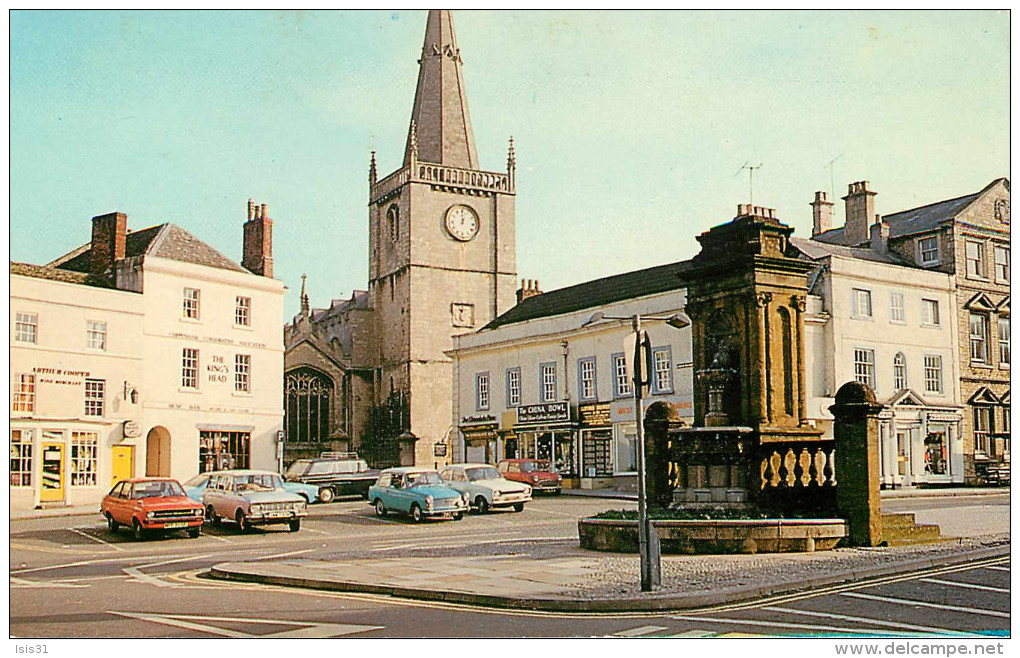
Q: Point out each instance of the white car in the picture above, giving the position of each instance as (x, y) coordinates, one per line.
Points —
(485, 487)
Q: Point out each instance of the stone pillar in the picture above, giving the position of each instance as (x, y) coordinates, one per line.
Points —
(857, 472)
(659, 420)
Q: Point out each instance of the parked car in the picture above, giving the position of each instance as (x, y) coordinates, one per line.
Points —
(252, 498)
(485, 487)
(196, 485)
(419, 492)
(536, 472)
(151, 505)
(335, 474)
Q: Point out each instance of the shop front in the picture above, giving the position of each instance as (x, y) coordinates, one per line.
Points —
(596, 435)
(480, 439)
(919, 444)
(546, 431)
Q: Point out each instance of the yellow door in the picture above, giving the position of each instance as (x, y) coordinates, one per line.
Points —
(122, 464)
(52, 473)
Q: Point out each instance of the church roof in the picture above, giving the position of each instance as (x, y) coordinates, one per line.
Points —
(440, 124)
(649, 281)
(163, 241)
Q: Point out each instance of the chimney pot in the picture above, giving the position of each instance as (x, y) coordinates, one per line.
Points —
(860, 208)
(257, 254)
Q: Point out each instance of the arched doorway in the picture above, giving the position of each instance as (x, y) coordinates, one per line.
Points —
(157, 452)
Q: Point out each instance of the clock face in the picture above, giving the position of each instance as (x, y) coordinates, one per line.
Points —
(461, 222)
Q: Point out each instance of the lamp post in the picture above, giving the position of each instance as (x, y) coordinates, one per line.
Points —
(648, 541)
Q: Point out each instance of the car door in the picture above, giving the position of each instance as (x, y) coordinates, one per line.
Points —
(400, 498)
(115, 505)
(214, 494)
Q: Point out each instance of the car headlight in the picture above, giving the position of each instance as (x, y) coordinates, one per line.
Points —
(428, 501)
(149, 515)
(255, 509)
(464, 496)
(301, 507)
(496, 493)
(527, 490)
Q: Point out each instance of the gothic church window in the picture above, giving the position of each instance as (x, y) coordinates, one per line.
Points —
(309, 394)
(393, 217)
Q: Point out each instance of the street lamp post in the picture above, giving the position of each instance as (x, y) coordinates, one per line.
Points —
(648, 540)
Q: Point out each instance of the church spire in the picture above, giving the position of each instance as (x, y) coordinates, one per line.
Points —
(440, 114)
(305, 309)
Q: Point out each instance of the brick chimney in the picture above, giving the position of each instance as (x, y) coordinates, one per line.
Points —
(258, 241)
(860, 208)
(821, 214)
(529, 288)
(109, 244)
(880, 236)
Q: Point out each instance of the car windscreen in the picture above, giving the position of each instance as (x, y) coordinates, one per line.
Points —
(423, 479)
(298, 467)
(487, 473)
(156, 489)
(197, 481)
(258, 482)
(528, 467)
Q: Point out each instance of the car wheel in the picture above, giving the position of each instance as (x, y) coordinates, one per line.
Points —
(458, 516)
(482, 504)
(137, 528)
(242, 521)
(380, 509)
(326, 495)
(294, 524)
(212, 516)
(110, 523)
(416, 514)
(518, 507)
(194, 532)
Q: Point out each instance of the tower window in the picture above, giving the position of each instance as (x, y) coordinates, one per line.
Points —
(393, 218)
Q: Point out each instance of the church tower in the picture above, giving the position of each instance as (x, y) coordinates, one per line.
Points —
(442, 254)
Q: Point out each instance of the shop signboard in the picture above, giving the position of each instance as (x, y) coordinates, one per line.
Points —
(543, 413)
(595, 414)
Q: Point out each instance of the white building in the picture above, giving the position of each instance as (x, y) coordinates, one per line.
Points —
(873, 319)
(145, 353)
(535, 383)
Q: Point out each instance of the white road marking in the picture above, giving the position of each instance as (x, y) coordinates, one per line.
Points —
(640, 630)
(21, 583)
(418, 543)
(79, 563)
(868, 620)
(270, 557)
(101, 541)
(755, 622)
(307, 630)
(1006, 569)
(925, 604)
(954, 583)
(140, 577)
(694, 633)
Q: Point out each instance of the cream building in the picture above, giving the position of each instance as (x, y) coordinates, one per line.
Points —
(535, 383)
(177, 367)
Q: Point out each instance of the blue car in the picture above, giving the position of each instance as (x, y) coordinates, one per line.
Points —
(418, 492)
(196, 485)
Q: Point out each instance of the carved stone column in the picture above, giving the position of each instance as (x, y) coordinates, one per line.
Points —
(799, 303)
(761, 302)
(858, 480)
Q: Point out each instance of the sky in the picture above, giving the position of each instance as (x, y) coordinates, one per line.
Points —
(630, 128)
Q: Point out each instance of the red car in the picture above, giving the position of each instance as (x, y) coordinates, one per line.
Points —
(536, 472)
(151, 504)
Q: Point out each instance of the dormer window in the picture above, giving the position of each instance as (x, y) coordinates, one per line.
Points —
(928, 250)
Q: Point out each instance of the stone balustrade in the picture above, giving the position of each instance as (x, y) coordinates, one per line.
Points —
(425, 172)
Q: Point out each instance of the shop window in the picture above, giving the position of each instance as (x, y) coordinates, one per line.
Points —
(928, 250)
(242, 373)
(564, 460)
(547, 383)
(513, 387)
(930, 312)
(21, 458)
(975, 254)
(190, 304)
(26, 327)
(95, 396)
(897, 312)
(597, 453)
(864, 366)
(218, 451)
(309, 394)
(482, 391)
(24, 393)
(933, 373)
(95, 335)
(899, 371)
(978, 338)
(189, 368)
(1002, 264)
(242, 311)
(586, 379)
(621, 382)
(626, 449)
(935, 453)
(1003, 340)
(662, 370)
(84, 459)
(861, 303)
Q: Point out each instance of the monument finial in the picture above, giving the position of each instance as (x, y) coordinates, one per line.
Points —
(305, 309)
(373, 173)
